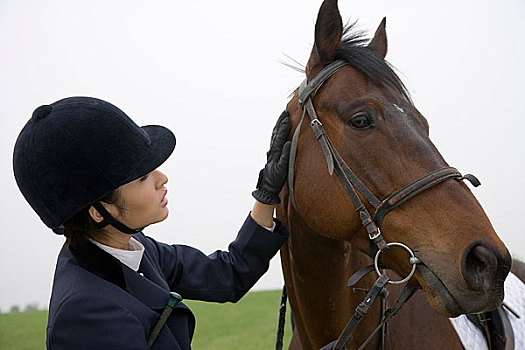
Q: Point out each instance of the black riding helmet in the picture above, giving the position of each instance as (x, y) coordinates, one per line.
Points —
(74, 152)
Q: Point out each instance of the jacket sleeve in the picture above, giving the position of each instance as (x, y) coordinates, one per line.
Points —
(224, 275)
(91, 322)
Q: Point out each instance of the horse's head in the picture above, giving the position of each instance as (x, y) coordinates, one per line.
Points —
(373, 124)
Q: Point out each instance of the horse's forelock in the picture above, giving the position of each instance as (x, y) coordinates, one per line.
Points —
(354, 50)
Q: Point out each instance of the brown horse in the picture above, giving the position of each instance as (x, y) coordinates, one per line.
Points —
(372, 122)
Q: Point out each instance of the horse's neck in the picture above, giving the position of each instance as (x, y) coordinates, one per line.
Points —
(316, 271)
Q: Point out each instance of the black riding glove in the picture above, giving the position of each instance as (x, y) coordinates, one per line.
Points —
(273, 176)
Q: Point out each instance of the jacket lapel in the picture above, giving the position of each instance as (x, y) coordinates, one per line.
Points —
(146, 291)
(152, 289)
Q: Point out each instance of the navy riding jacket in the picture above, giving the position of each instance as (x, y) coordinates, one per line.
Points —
(99, 303)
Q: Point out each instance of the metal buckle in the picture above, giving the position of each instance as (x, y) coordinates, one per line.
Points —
(316, 121)
(376, 235)
(414, 260)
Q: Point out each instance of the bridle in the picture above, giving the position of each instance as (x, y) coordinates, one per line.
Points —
(349, 180)
(371, 223)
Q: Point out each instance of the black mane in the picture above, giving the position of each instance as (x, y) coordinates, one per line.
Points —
(353, 49)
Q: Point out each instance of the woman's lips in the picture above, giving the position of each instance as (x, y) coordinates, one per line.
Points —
(164, 200)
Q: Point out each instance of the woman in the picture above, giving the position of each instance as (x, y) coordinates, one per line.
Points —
(90, 173)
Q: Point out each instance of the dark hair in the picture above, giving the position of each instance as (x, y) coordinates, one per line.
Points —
(81, 226)
(354, 50)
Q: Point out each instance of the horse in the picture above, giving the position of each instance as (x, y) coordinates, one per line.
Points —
(367, 114)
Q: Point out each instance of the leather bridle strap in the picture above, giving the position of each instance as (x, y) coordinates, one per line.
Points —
(417, 187)
(306, 91)
(352, 178)
(309, 88)
(345, 174)
(376, 291)
(407, 292)
(291, 163)
(360, 311)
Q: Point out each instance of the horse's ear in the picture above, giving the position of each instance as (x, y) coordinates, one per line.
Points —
(328, 32)
(378, 44)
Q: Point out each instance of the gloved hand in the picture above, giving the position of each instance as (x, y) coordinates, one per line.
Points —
(273, 176)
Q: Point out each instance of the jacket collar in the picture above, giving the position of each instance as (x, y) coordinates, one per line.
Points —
(100, 263)
(150, 289)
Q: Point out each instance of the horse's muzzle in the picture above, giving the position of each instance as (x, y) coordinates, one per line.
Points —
(482, 267)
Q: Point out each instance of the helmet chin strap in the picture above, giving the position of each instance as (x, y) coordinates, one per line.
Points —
(110, 220)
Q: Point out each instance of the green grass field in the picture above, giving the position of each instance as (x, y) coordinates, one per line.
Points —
(249, 324)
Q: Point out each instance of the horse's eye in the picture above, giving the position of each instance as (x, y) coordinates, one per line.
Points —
(361, 120)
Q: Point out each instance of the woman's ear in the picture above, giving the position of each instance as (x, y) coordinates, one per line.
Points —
(95, 215)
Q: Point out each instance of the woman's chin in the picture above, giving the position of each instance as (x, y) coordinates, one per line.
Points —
(165, 214)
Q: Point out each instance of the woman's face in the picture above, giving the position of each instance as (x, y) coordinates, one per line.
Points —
(143, 200)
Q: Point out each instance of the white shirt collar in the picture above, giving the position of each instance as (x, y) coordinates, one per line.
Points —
(131, 258)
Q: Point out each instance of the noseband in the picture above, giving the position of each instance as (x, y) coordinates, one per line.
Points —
(353, 186)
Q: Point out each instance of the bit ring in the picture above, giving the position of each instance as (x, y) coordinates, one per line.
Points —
(414, 260)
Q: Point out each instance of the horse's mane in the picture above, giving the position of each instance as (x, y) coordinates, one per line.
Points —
(354, 50)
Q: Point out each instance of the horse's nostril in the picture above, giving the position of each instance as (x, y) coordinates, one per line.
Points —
(479, 266)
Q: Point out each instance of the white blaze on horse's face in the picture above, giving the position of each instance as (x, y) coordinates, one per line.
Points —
(399, 108)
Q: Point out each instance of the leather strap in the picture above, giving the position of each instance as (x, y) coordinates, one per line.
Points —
(306, 89)
(280, 326)
(407, 293)
(320, 135)
(360, 311)
(345, 174)
(495, 327)
(414, 189)
(110, 220)
(291, 163)
(362, 272)
(507, 329)
(353, 179)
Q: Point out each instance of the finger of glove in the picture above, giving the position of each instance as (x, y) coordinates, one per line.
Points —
(280, 139)
(260, 179)
(284, 159)
(276, 172)
(283, 115)
(280, 168)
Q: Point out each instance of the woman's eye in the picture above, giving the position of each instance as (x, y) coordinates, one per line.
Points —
(144, 177)
(361, 121)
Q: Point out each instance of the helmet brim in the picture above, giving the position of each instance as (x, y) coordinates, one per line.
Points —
(162, 145)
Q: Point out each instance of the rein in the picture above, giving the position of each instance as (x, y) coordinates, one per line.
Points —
(353, 186)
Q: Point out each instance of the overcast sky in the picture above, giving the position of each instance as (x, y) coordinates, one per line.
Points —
(210, 71)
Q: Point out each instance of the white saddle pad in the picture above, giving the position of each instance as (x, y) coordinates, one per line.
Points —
(471, 337)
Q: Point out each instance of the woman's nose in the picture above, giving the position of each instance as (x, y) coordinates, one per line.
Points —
(162, 179)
